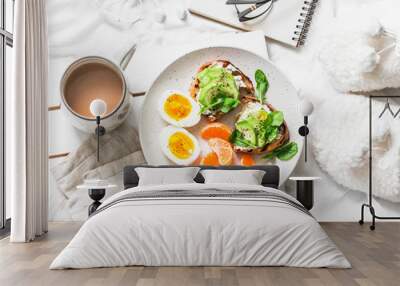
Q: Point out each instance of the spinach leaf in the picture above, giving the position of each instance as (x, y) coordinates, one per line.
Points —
(262, 85)
(269, 156)
(215, 103)
(277, 118)
(267, 122)
(287, 151)
(233, 136)
(221, 102)
(283, 153)
(228, 104)
(225, 109)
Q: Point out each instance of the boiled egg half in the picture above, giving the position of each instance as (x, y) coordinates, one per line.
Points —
(179, 145)
(179, 109)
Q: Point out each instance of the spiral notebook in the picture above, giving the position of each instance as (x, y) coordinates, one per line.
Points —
(287, 22)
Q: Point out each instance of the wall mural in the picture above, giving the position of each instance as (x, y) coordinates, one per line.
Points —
(214, 106)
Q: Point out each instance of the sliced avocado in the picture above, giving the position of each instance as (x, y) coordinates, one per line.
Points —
(207, 93)
(252, 121)
(272, 135)
(261, 138)
(216, 82)
(210, 74)
(247, 131)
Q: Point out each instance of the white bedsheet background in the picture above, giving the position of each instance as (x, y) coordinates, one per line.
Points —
(76, 29)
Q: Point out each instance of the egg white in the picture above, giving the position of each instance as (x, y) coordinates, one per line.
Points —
(166, 133)
(191, 120)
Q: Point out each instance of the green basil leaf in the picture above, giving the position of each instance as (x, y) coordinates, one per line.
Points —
(262, 85)
(228, 104)
(225, 109)
(231, 102)
(260, 76)
(228, 101)
(214, 105)
(261, 91)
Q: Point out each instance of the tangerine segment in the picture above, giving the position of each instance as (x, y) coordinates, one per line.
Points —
(223, 149)
(216, 130)
(247, 160)
(197, 162)
(211, 159)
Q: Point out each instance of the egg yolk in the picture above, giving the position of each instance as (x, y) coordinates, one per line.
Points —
(181, 145)
(177, 107)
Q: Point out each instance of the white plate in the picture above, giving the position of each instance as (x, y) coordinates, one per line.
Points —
(178, 76)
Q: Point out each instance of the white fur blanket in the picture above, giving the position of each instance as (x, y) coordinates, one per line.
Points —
(350, 55)
(361, 48)
(339, 124)
(341, 144)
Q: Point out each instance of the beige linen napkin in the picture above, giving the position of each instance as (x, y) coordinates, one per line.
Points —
(118, 148)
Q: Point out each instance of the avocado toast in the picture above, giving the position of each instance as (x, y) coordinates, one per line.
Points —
(219, 87)
(260, 128)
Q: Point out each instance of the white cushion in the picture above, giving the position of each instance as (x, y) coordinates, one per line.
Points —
(246, 177)
(166, 176)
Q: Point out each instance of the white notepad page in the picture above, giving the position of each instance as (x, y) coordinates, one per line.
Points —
(280, 24)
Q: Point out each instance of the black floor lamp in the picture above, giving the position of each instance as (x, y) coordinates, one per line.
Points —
(98, 108)
(370, 198)
(306, 108)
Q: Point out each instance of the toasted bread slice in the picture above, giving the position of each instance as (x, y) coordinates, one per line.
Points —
(282, 138)
(246, 89)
